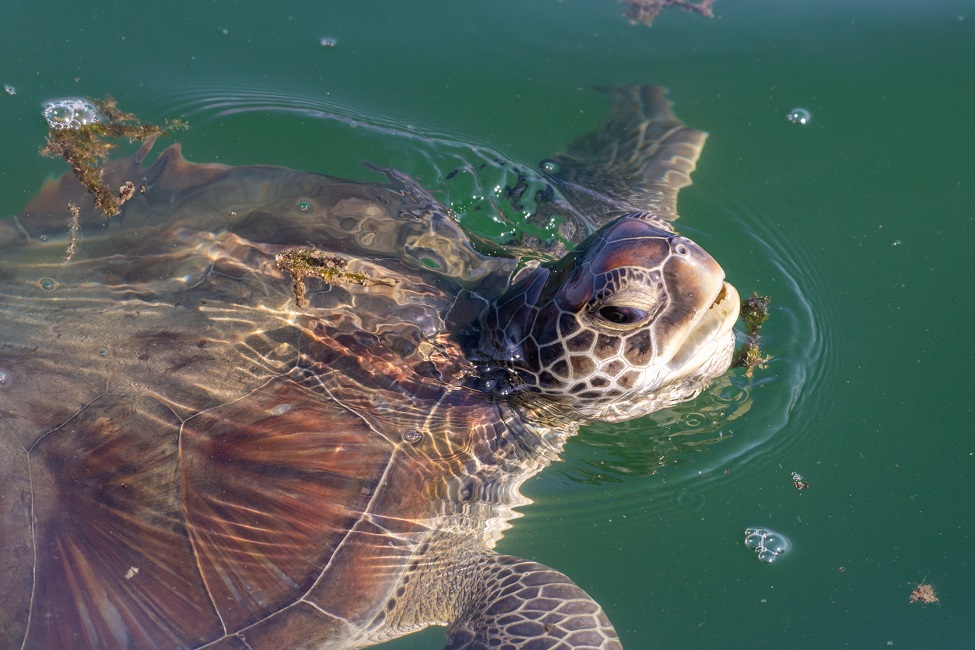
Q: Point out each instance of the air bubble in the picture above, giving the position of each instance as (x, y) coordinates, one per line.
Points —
(412, 436)
(47, 284)
(4, 377)
(304, 206)
(70, 113)
(767, 544)
(799, 116)
(10, 90)
(551, 167)
(103, 352)
(327, 41)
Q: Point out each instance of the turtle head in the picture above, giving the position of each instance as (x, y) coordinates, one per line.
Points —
(635, 319)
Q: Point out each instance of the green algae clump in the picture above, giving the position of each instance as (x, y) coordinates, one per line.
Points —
(86, 147)
(754, 313)
(301, 263)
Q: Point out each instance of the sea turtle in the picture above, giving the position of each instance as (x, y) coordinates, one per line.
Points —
(271, 409)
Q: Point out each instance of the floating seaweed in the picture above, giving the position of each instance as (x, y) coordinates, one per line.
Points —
(754, 313)
(79, 131)
(924, 593)
(645, 11)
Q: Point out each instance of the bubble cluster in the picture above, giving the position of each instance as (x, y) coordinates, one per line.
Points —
(767, 544)
(10, 90)
(70, 113)
(550, 167)
(327, 41)
(799, 116)
(799, 482)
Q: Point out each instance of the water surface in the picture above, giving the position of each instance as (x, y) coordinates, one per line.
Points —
(858, 224)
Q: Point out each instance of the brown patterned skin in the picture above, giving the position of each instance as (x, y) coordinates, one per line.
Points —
(188, 459)
(619, 327)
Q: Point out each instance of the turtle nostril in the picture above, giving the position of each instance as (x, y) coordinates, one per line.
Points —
(680, 249)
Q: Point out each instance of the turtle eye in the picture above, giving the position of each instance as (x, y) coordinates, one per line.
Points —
(621, 315)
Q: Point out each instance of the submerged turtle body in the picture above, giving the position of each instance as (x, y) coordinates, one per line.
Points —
(268, 409)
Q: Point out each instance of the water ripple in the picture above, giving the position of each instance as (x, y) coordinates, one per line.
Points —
(471, 179)
(679, 451)
(682, 452)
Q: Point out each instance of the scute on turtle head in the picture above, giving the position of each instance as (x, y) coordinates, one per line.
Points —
(636, 319)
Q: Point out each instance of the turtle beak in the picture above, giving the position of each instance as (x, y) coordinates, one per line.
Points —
(712, 331)
(704, 312)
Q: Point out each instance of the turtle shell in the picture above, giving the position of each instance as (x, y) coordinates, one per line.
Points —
(186, 454)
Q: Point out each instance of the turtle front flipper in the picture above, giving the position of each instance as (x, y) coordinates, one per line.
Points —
(637, 160)
(516, 603)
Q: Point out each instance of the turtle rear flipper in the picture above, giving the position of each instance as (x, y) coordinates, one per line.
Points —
(518, 603)
(637, 160)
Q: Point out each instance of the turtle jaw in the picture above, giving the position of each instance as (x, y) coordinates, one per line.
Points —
(710, 336)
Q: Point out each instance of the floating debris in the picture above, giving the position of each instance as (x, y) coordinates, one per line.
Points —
(799, 116)
(301, 263)
(767, 544)
(754, 312)
(924, 593)
(74, 224)
(798, 481)
(645, 11)
(78, 129)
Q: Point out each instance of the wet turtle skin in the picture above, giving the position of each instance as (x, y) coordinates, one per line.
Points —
(191, 458)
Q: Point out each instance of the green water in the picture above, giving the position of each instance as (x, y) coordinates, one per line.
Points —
(859, 225)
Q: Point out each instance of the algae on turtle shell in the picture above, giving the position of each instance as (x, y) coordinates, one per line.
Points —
(309, 262)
